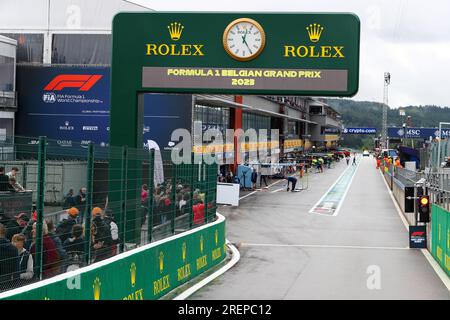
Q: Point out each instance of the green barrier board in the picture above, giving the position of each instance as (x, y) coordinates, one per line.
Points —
(441, 237)
(147, 274)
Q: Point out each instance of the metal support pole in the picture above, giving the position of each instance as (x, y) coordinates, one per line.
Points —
(191, 195)
(151, 188)
(40, 205)
(205, 185)
(174, 196)
(89, 197)
(123, 195)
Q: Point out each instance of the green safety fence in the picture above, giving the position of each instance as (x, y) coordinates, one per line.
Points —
(76, 203)
(440, 237)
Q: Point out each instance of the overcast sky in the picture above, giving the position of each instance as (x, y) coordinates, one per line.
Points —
(408, 38)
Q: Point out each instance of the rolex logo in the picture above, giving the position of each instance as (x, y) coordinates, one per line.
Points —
(133, 274)
(97, 284)
(201, 244)
(161, 262)
(314, 32)
(216, 236)
(183, 252)
(175, 30)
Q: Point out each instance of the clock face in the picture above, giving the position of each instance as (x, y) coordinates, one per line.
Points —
(244, 39)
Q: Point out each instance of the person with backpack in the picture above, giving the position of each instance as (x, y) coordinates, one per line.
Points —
(101, 236)
(74, 247)
(64, 229)
(108, 218)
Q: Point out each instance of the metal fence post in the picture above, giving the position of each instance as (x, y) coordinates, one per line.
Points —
(191, 196)
(205, 182)
(42, 154)
(123, 195)
(88, 209)
(174, 196)
(151, 188)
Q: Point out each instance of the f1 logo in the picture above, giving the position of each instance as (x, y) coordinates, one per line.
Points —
(82, 81)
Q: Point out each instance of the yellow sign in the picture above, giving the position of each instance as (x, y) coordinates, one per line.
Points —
(161, 262)
(164, 49)
(315, 31)
(133, 274)
(201, 244)
(183, 252)
(96, 286)
(175, 30)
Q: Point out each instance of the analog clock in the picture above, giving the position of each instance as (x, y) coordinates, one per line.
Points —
(244, 39)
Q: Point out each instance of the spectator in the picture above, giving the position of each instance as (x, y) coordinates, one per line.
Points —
(292, 180)
(74, 247)
(144, 203)
(80, 201)
(58, 243)
(17, 187)
(16, 226)
(108, 218)
(26, 265)
(69, 200)
(144, 194)
(76, 242)
(254, 178)
(4, 180)
(13, 174)
(64, 229)
(8, 261)
(50, 258)
(101, 236)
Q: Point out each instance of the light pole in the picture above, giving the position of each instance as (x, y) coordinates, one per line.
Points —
(387, 81)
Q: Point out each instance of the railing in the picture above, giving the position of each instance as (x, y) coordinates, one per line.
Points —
(115, 199)
(8, 100)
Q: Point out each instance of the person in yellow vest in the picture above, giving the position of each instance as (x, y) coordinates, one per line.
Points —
(397, 163)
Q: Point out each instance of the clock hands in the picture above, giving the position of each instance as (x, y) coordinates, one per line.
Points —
(245, 42)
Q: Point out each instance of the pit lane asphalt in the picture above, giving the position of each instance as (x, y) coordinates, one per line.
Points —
(289, 253)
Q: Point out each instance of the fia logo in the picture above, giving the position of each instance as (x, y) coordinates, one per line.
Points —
(49, 97)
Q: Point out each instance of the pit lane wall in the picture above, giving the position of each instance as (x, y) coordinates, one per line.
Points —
(440, 237)
(145, 273)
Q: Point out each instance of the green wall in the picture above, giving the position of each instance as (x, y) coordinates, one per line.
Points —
(144, 273)
(440, 231)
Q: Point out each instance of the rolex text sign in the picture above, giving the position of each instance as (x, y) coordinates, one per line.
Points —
(236, 53)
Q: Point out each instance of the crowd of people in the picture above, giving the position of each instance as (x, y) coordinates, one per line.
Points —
(162, 202)
(64, 246)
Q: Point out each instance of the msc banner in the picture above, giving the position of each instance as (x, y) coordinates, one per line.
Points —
(418, 133)
(359, 131)
(71, 105)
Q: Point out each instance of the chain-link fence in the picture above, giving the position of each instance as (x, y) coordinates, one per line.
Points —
(64, 205)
